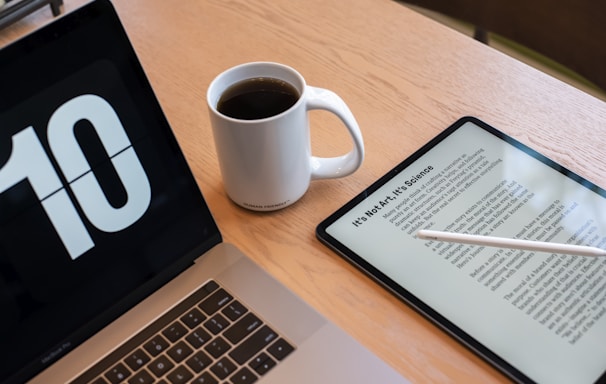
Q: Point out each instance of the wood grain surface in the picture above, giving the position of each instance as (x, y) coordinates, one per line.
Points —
(405, 78)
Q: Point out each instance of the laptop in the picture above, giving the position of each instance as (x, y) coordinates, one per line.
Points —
(112, 268)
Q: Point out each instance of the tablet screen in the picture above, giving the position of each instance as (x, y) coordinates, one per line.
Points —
(534, 315)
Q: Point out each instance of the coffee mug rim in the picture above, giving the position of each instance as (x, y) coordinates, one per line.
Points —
(212, 96)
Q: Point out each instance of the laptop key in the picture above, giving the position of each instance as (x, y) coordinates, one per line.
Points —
(160, 366)
(242, 328)
(117, 374)
(211, 286)
(180, 375)
(215, 301)
(174, 332)
(142, 377)
(243, 376)
(193, 318)
(253, 344)
(216, 324)
(280, 349)
(198, 338)
(156, 345)
(205, 378)
(223, 368)
(234, 310)
(217, 347)
(179, 351)
(137, 359)
(262, 363)
(199, 361)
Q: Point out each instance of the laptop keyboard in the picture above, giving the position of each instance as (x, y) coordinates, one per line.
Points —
(210, 337)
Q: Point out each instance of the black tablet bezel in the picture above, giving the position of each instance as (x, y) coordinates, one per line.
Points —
(401, 292)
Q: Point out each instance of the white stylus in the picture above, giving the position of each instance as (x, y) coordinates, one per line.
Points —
(501, 242)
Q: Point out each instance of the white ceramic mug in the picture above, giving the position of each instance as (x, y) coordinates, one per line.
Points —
(266, 164)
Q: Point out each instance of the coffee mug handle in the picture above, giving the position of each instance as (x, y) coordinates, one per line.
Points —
(340, 166)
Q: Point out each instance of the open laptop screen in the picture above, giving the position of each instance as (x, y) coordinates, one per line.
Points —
(97, 204)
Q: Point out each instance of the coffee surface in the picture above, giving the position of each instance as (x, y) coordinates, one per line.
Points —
(257, 98)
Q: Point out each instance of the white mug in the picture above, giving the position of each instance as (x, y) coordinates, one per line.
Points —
(266, 163)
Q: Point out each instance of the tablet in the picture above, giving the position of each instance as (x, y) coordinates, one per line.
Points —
(538, 317)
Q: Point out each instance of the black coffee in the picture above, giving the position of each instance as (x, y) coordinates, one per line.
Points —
(257, 98)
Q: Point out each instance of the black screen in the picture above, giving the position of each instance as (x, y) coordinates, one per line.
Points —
(97, 204)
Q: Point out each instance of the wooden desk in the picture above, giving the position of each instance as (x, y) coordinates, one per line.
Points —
(405, 78)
